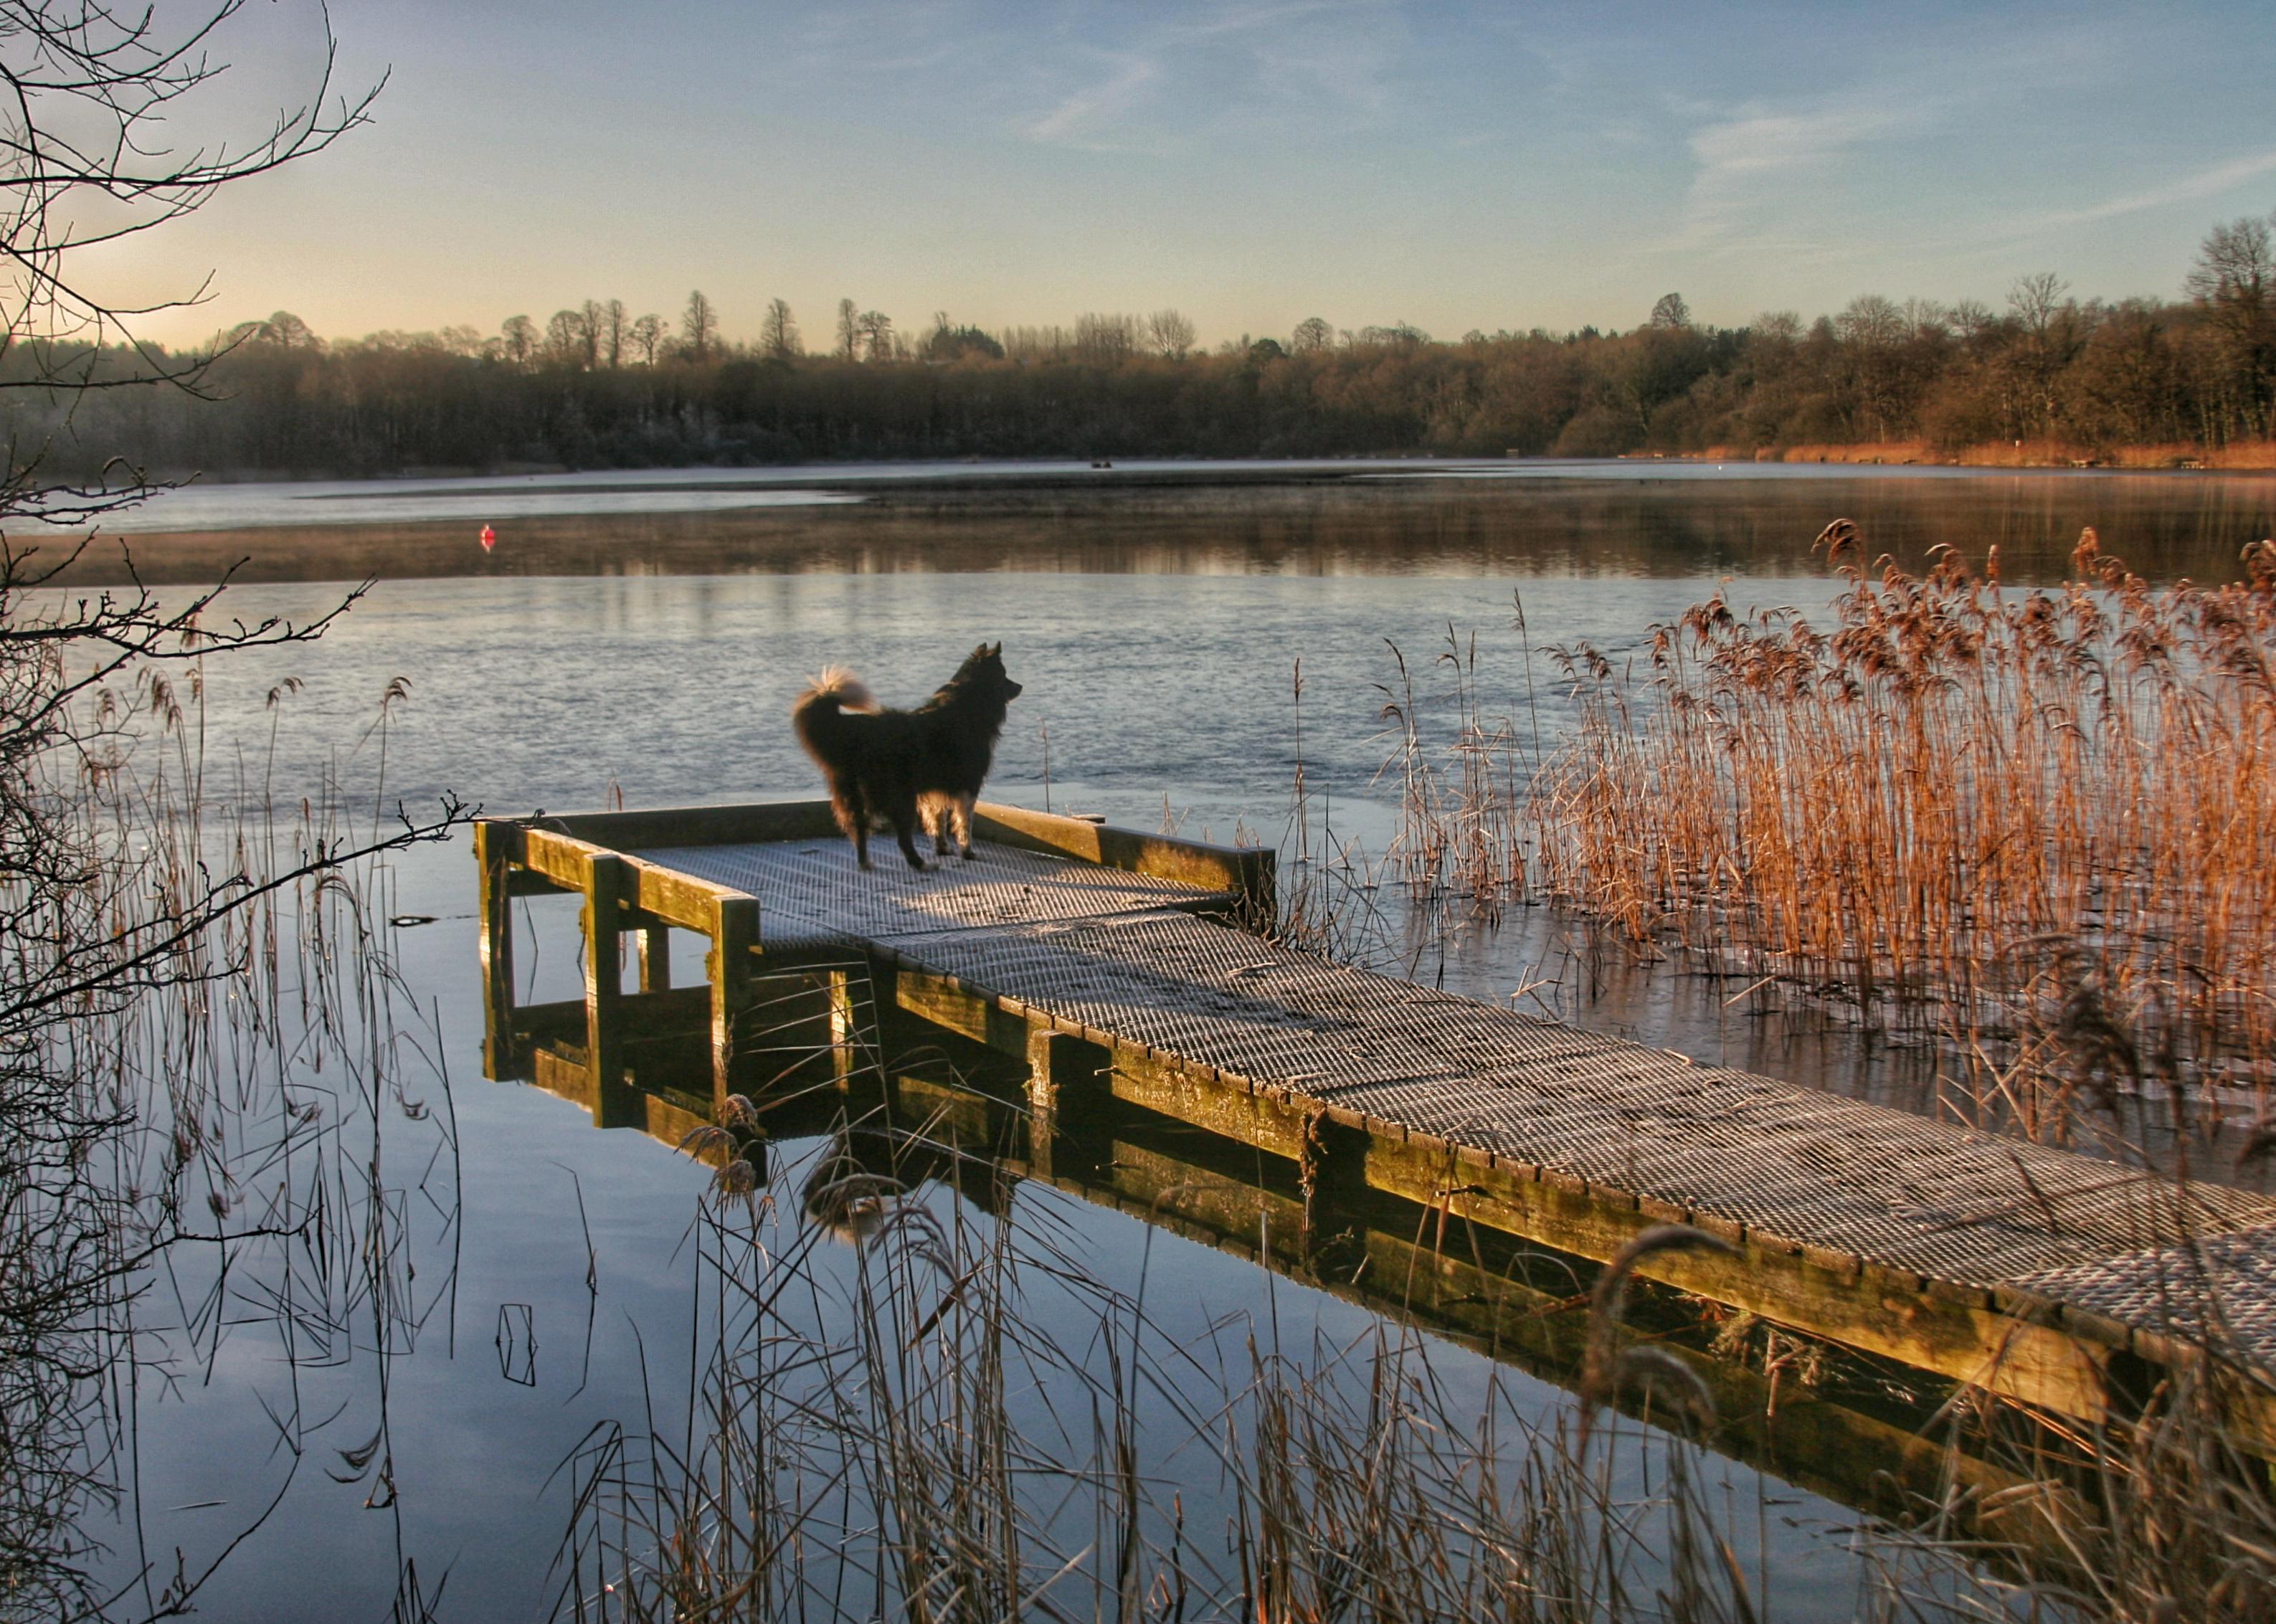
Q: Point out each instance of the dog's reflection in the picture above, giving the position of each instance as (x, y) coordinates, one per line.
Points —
(845, 1197)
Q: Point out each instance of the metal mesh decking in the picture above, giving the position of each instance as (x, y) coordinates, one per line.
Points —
(1791, 1163)
(811, 891)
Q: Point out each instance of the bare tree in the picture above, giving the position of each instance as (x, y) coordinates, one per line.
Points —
(849, 331)
(567, 340)
(594, 322)
(1312, 334)
(2232, 280)
(2035, 301)
(875, 331)
(699, 328)
(519, 340)
(613, 329)
(1035, 343)
(94, 151)
(1872, 320)
(2235, 266)
(647, 336)
(286, 331)
(1671, 311)
(1105, 340)
(778, 331)
(1171, 332)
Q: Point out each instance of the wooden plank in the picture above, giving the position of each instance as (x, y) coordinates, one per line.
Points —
(1247, 871)
(1856, 1458)
(1070, 1103)
(678, 898)
(947, 1003)
(666, 826)
(563, 859)
(1261, 1119)
(1967, 1342)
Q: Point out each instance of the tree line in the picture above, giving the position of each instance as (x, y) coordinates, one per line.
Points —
(597, 387)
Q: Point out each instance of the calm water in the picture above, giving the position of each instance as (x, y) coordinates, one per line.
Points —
(1159, 632)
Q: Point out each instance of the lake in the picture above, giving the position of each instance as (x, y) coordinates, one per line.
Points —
(1186, 634)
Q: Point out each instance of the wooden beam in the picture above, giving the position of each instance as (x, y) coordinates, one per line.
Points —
(677, 899)
(605, 883)
(494, 849)
(655, 958)
(1245, 872)
(734, 932)
(669, 826)
(1070, 1103)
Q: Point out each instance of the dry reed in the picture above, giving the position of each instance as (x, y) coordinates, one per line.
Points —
(1963, 807)
(207, 1073)
(971, 1426)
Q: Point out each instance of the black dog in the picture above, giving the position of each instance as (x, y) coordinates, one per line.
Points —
(901, 764)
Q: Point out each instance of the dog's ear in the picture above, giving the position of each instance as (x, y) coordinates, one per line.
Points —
(980, 652)
(999, 649)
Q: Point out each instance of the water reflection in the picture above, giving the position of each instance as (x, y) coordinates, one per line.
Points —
(1606, 520)
(849, 1141)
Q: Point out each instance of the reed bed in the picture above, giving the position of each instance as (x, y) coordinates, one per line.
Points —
(2004, 815)
(1461, 799)
(962, 1423)
(219, 1119)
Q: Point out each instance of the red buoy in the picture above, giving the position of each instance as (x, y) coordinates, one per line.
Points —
(489, 538)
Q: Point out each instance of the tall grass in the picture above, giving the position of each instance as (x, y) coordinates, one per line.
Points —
(2005, 816)
(963, 1422)
(1461, 803)
(219, 1120)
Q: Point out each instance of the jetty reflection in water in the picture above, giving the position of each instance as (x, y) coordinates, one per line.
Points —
(839, 1131)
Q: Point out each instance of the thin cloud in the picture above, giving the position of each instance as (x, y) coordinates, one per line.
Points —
(1269, 43)
(1752, 160)
(1085, 110)
(2204, 183)
(2004, 236)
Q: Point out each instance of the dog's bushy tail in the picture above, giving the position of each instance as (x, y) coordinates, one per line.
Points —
(829, 696)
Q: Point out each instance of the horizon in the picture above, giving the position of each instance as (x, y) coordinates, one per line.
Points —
(1250, 165)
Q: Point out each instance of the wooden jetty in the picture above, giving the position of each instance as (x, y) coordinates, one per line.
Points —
(1128, 970)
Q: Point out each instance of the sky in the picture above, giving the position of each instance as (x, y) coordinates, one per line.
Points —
(1251, 163)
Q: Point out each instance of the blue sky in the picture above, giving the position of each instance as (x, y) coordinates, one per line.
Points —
(1251, 163)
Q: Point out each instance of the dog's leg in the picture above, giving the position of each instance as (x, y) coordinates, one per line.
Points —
(934, 814)
(904, 828)
(852, 809)
(903, 814)
(964, 823)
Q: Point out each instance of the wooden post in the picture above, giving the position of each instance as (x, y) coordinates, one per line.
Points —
(606, 877)
(734, 932)
(655, 956)
(1070, 1104)
(1333, 1173)
(1258, 907)
(848, 991)
(496, 908)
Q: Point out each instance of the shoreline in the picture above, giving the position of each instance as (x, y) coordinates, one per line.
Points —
(2241, 457)
(856, 478)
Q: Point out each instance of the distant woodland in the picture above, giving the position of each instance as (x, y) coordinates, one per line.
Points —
(2046, 377)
